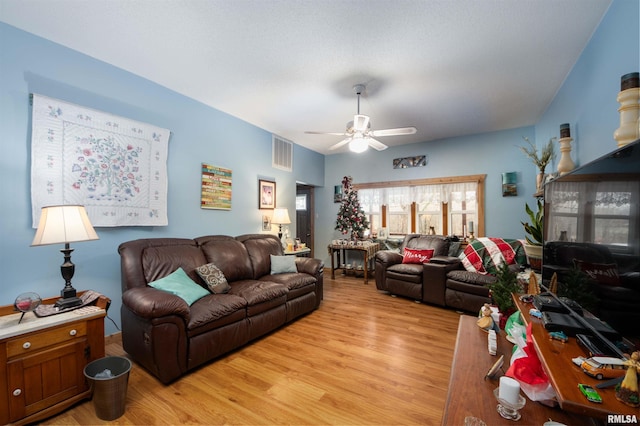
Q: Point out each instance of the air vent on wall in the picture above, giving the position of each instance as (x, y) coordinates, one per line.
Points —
(282, 156)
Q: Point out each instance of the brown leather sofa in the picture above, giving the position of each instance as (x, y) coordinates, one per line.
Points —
(420, 282)
(165, 335)
(443, 281)
(618, 303)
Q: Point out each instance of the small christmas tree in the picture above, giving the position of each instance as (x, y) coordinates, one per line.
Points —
(351, 217)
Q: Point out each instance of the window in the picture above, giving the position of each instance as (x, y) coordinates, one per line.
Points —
(301, 202)
(371, 204)
(398, 207)
(445, 204)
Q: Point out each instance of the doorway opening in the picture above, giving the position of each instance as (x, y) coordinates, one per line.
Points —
(304, 215)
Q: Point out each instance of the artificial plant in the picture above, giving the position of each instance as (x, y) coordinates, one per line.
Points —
(506, 284)
(535, 226)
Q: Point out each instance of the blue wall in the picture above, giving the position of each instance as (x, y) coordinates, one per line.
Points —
(586, 100)
(31, 64)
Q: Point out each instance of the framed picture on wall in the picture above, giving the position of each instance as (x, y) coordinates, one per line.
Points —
(266, 194)
(266, 222)
(337, 194)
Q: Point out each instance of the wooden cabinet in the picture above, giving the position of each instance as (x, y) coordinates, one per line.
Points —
(43, 359)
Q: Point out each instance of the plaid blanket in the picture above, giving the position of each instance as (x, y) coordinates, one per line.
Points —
(485, 255)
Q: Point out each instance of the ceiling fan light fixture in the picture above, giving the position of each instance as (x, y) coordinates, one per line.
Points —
(358, 144)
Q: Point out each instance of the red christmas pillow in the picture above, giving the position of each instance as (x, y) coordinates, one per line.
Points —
(416, 256)
(604, 273)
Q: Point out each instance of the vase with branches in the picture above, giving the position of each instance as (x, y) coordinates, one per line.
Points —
(540, 160)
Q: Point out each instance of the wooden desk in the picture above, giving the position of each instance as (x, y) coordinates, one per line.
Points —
(470, 395)
(368, 250)
(564, 375)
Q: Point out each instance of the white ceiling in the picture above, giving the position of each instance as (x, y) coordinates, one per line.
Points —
(449, 68)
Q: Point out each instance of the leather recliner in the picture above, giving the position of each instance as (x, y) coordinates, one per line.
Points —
(417, 281)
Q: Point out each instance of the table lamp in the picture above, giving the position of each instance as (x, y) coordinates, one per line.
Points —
(280, 217)
(64, 224)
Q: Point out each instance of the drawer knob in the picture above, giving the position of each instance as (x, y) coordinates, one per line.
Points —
(17, 392)
(26, 345)
(73, 333)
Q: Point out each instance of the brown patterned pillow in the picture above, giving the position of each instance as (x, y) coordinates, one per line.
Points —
(214, 278)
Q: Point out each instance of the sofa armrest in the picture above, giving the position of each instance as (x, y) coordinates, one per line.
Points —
(149, 303)
(309, 265)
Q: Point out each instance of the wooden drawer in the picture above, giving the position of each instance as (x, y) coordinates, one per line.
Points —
(25, 344)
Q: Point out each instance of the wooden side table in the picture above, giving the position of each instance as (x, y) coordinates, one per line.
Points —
(368, 250)
(42, 361)
(303, 252)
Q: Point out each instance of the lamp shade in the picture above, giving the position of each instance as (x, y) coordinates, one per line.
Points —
(63, 224)
(280, 216)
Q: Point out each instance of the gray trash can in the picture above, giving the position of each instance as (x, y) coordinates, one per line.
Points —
(108, 378)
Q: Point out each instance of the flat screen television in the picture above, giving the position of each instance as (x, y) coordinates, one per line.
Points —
(592, 223)
(598, 202)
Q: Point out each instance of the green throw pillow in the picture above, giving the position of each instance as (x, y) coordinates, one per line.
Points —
(283, 264)
(181, 285)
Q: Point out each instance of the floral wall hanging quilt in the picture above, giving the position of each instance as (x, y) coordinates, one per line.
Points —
(115, 167)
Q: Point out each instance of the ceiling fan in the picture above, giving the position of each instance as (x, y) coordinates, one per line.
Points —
(359, 135)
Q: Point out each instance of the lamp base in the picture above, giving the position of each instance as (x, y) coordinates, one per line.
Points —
(68, 302)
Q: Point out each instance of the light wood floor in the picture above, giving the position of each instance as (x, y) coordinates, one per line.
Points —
(363, 357)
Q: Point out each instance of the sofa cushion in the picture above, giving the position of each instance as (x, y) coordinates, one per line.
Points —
(438, 243)
(181, 285)
(260, 247)
(283, 264)
(162, 260)
(260, 295)
(216, 310)
(228, 254)
(603, 273)
(416, 255)
(297, 284)
(470, 277)
(411, 272)
(464, 287)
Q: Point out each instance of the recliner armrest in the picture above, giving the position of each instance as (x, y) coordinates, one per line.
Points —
(388, 257)
(148, 302)
(434, 278)
(445, 260)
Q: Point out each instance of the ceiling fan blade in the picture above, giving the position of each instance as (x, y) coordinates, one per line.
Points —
(360, 122)
(376, 144)
(327, 133)
(339, 144)
(394, 132)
